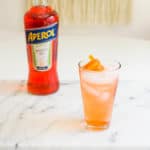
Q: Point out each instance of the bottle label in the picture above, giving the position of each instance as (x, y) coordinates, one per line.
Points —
(41, 43)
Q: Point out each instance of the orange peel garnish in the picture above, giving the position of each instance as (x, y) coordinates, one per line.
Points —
(94, 64)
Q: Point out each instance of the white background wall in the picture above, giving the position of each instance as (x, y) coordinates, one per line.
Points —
(11, 18)
(140, 25)
(11, 14)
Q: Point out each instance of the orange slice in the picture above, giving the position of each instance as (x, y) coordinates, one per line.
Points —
(94, 64)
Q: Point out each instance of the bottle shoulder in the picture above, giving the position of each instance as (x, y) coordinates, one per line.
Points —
(40, 16)
(40, 12)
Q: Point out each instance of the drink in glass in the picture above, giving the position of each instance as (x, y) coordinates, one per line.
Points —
(98, 90)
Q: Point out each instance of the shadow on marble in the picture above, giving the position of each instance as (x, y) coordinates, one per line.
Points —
(33, 127)
(68, 125)
(51, 124)
(12, 86)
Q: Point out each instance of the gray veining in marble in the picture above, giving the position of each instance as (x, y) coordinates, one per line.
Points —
(56, 121)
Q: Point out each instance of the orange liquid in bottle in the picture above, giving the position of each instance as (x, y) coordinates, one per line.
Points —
(42, 21)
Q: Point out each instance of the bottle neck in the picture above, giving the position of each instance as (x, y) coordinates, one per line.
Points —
(39, 2)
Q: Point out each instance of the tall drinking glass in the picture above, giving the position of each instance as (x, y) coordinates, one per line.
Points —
(98, 90)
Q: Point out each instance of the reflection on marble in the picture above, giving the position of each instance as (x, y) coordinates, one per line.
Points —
(56, 121)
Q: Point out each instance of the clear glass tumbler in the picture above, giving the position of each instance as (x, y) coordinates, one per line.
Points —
(98, 93)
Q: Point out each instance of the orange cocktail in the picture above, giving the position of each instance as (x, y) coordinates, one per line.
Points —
(98, 87)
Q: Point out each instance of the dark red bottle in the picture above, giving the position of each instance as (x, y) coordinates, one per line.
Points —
(41, 28)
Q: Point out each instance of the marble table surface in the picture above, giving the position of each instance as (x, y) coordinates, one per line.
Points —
(56, 121)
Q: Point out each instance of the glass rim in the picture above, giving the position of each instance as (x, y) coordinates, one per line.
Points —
(117, 66)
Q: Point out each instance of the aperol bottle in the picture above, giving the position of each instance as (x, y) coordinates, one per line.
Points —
(41, 28)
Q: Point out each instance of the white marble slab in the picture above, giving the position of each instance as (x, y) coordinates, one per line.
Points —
(56, 121)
